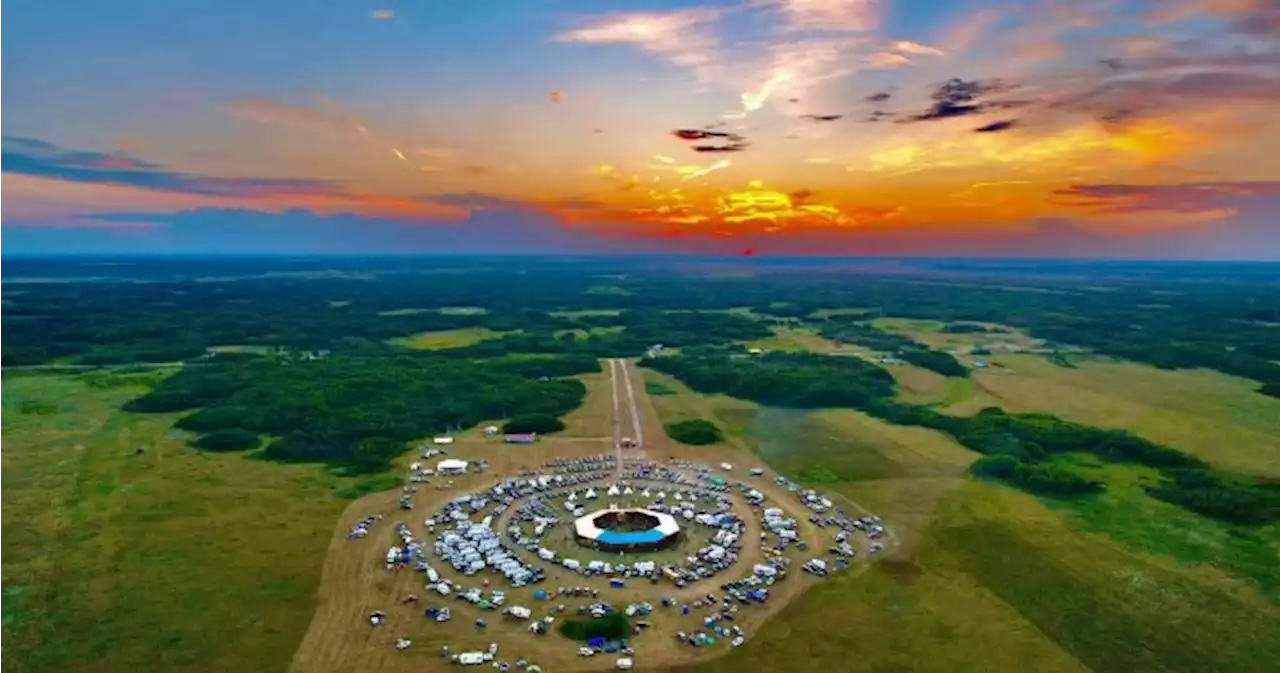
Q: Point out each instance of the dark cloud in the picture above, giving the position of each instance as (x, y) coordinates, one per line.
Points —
(37, 158)
(960, 98)
(878, 97)
(878, 115)
(823, 118)
(1187, 197)
(1157, 88)
(1263, 21)
(996, 127)
(1112, 63)
(731, 147)
(724, 141)
(703, 134)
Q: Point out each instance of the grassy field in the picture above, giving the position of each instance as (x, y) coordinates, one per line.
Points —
(987, 578)
(584, 333)
(241, 349)
(990, 579)
(795, 339)
(445, 310)
(1215, 416)
(127, 550)
(450, 338)
(586, 312)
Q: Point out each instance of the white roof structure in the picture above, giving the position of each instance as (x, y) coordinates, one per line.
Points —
(442, 440)
(451, 465)
(666, 526)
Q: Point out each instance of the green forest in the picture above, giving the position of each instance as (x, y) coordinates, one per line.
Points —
(356, 413)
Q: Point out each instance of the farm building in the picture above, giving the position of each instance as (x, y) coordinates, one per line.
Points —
(451, 466)
(442, 440)
(521, 438)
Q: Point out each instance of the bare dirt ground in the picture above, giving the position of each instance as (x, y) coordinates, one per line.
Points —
(355, 581)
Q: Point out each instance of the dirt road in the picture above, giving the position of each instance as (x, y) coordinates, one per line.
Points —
(626, 413)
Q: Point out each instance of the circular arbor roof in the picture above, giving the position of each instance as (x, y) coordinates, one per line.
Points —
(597, 526)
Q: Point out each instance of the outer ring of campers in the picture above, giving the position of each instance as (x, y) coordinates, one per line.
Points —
(664, 533)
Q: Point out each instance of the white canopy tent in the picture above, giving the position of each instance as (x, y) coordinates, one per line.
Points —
(451, 466)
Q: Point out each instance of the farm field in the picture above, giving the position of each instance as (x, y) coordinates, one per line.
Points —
(451, 338)
(150, 553)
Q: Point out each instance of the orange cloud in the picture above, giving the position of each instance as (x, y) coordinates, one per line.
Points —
(730, 212)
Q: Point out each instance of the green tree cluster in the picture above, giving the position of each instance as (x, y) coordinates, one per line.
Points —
(696, 431)
(542, 424)
(611, 626)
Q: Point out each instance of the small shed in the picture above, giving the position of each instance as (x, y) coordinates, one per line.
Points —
(521, 438)
(442, 440)
(451, 466)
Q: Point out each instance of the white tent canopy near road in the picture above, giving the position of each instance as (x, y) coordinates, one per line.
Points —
(451, 466)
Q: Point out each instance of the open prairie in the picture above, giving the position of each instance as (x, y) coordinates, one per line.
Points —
(127, 550)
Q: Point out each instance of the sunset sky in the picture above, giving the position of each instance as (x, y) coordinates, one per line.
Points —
(1146, 128)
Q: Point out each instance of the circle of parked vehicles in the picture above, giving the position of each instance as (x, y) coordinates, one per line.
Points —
(499, 531)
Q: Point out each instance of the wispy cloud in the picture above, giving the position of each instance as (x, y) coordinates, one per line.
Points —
(270, 111)
(40, 159)
(37, 158)
(680, 36)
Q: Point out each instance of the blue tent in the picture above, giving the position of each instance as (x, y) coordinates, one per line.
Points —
(616, 583)
(540, 594)
(596, 642)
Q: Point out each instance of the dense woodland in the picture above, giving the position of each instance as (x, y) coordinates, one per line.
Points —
(331, 384)
(356, 413)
